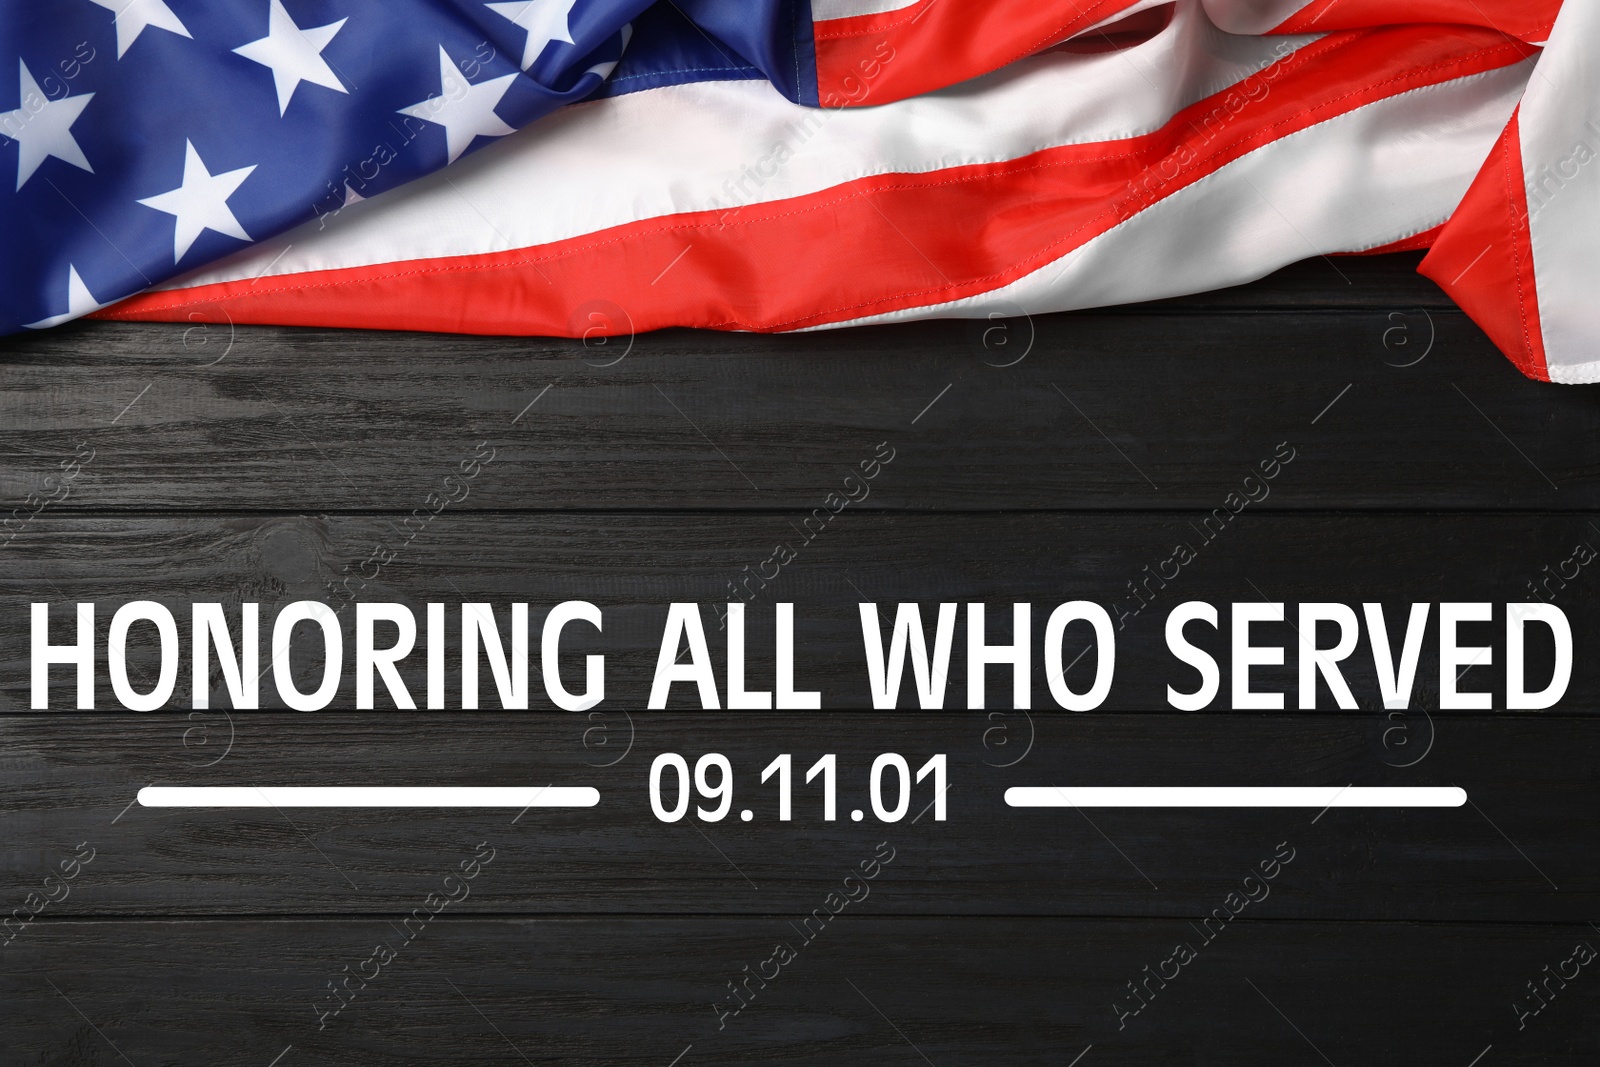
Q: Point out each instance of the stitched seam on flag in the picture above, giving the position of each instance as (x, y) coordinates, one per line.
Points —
(1575, 373)
(1412, 235)
(1527, 361)
(686, 70)
(794, 46)
(1043, 255)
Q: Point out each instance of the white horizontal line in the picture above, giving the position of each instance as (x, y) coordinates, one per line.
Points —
(356, 796)
(1235, 796)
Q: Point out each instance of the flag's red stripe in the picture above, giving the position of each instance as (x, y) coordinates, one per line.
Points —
(1484, 257)
(873, 59)
(866, 247)
(1529, 20)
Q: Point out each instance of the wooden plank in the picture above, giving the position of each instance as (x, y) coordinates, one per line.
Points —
(865, 989)
(997, 936)
(1385, 281)
(1141, 408)
(1528, 778)
(632, 566)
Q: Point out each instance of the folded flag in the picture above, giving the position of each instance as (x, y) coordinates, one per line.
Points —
(571, 167)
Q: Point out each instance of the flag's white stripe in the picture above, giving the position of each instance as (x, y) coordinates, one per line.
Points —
(298, 796)
(822, 10)
(1360, 180)
(686, 148)
(1189, 796)
(1560, 127)
(1235, 16)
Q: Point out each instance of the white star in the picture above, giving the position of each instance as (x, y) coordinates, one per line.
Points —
(466, 111)
(544, 20)
(43, 128)
(200, 203)
(294, 55)
(351, 196)
(133, 16)
(79, 302)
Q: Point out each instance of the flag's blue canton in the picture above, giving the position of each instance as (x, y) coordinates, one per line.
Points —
(142, 138)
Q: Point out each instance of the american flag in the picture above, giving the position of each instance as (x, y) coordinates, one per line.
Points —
(567, 167)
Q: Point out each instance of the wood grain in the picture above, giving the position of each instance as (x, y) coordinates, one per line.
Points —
(866, 989)
(1154, 406)
(185, 463)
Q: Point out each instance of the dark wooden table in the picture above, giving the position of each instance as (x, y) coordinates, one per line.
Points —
(1036, 461)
